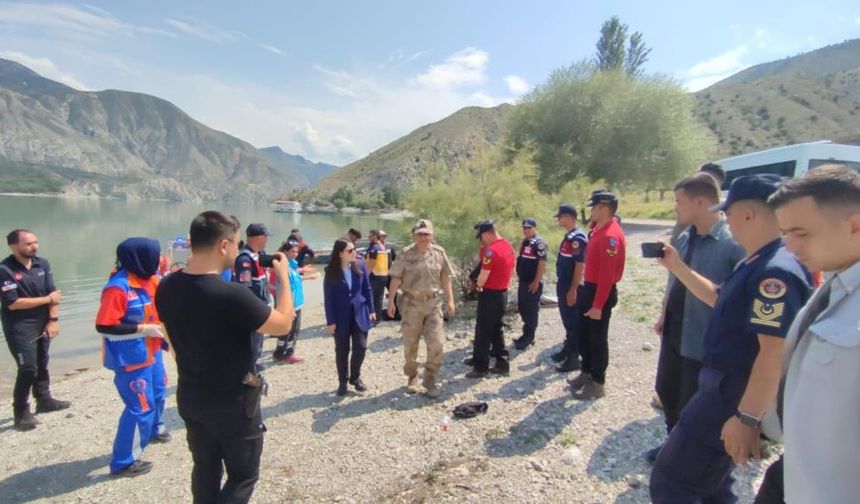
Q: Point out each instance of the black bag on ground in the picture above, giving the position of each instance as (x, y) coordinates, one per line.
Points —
(470, 409)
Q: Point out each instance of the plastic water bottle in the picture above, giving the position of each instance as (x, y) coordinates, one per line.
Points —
(445, 422)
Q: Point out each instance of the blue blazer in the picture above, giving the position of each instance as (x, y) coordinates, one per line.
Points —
(344, 305)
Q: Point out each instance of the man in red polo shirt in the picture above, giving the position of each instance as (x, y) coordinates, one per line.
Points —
(604, 266)
(497, 266)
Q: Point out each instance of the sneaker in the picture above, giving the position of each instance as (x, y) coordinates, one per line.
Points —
(412, 386)
(50, 404)
(137, 468)
(571, 364)
(24, 420)
(477, 374)
(559, 356)
(162, 437)
(651, 455)
(580, 381)
(592, 390)
(341, 389)
(358, 384)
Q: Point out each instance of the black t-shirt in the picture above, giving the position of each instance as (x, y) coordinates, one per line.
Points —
(16, 281)
(209, 322)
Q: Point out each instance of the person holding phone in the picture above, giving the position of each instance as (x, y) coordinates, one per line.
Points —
(249, 271)
(349, 312)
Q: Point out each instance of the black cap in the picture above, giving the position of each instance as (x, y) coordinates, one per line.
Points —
(601, 196)
(257, 229)
(483, 227)
(750, 187)
(529, 223)
(566, 210)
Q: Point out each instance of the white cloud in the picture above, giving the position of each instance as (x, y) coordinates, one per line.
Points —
(45, 68)
(517, 85)
(203, 30)
(467, 67)
(713, 70)
(91, 21)
(272, 49)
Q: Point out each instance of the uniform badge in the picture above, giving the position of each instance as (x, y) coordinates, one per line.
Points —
(541, 246)
(488, 253)
(575, 244)
(487, 261)
(8, 285)
(611, 252)
(527, 250)
(18, 277)
(245, 276)
(246, 264)
(767, 314)
(612, 242)
(132, 295)
(772, 288)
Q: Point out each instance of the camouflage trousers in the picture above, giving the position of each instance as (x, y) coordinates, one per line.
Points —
(422, 317)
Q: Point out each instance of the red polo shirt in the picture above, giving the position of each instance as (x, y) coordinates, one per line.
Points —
(604, 260)
(498, 259)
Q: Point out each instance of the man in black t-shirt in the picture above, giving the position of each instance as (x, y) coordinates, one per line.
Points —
(209, 323)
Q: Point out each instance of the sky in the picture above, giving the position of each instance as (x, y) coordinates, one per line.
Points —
(336, 80)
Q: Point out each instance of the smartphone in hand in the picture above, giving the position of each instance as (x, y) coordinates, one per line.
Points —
(652, 249)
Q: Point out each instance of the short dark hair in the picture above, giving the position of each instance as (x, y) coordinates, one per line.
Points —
(832, 185)
(700, 185)
(210, 227)
(14, 236)
(354, 232)
(714, 170)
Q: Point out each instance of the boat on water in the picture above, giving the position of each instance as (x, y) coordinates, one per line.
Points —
(287, 206)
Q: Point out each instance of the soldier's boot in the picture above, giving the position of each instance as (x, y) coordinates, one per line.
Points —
(579, 382)
(412, 386)
(431, 388)
(592, 390)
(24, 420)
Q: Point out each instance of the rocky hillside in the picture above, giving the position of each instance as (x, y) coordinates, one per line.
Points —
(313, 171)
(812, 96)
(447, 142)
(123, 144)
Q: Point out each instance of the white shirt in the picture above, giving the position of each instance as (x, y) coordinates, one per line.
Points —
(822, 401)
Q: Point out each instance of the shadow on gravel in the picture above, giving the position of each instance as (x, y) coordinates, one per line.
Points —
(53, 480)
(622, 453)
(385, 344)
(538, 428)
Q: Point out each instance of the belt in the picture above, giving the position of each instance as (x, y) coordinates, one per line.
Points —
(421, 296)
(490, 291)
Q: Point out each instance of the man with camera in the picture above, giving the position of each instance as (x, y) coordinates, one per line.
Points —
(250, 271)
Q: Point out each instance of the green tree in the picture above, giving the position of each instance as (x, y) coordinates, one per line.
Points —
(611, 54)
(391, 196)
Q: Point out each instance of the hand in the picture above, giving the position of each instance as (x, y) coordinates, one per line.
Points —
(533, 287)
(594, 314)
(570, 297)
(452, 308)
(391, 308)
(151, 330)
(373, 317)
(52, 329)
(279, 264)
(330, 328)
(740, 441)
(473, 287)
(670, 259)
(658, 326)
(54, 297)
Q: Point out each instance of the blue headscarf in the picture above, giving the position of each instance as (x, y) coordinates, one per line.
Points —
(139, 256)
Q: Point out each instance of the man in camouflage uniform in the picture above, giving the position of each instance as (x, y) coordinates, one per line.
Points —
(423, 272)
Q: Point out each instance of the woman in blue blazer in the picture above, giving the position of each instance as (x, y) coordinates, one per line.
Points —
(349, 312)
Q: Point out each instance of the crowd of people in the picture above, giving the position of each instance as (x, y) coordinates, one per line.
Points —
(749, 349)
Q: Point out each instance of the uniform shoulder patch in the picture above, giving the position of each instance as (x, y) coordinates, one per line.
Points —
(541, 245)
(612, 241)
(575, 244)
(488, 253)
(772, 288)
(767, 314)
(8, 285)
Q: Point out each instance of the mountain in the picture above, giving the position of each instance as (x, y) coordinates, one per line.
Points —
(313, 171)
(117, 143)
(402, 162)
(812, 96)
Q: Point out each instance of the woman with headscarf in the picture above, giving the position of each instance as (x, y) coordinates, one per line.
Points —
(132, 343)
(349, 312)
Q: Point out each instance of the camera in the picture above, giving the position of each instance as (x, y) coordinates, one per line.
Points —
(652, 249)
(265, 260)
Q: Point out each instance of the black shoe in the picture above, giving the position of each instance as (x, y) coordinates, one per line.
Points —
(469, 361)
(50, 404)
(24, 420)
(651, 455)
(559, 356)
(162, 437)
(502, 367)
(341, 389)
(569, 365)
(358, 384)
(477, 374)
(522, 343)
(137, 468)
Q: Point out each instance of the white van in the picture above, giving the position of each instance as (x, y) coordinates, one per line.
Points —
(791, 160)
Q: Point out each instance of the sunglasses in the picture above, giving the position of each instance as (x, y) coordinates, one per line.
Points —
(350, 251)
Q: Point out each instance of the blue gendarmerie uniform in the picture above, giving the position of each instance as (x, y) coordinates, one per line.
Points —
(571, 251)
(532, 251)
(248, 272)
(761, 296)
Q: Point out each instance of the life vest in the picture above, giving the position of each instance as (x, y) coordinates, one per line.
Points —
(377, 259)
(129, 352)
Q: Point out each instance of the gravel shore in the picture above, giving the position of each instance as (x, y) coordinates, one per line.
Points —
(535, 443)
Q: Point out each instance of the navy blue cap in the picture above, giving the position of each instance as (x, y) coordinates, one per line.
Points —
(601, 196)
(566, 210)
(483, 227)
(750, 187)
(257, 229)
(529, 223)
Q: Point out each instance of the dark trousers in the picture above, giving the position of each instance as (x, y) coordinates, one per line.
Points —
(772, 489)
(30, 352)
(489, 338)
(528, 305)
(349, 367)
(378, 285)
(677, 376)
(571, 319)
(221, 434)
(287, 344)
(594, 345)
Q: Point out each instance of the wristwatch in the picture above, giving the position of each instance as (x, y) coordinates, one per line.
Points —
(748, 420)
(53, 319)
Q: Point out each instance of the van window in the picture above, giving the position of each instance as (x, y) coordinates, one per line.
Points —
(814, 163)
(783, 169)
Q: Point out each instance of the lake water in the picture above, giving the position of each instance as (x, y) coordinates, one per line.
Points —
(79, 238)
